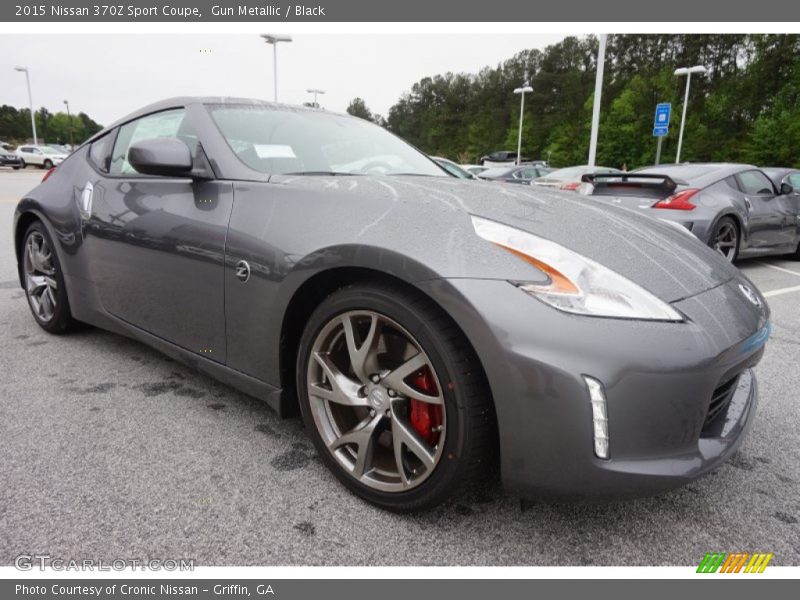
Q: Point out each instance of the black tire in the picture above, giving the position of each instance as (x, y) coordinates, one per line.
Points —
(17, 167)
(726, 224)
(796, 255)
(22, 164)
(470, 446)
(47, 164)
(61, 320)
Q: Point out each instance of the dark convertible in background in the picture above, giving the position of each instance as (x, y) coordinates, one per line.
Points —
(428, 328)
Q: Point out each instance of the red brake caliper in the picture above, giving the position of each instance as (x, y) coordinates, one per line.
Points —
(426, 418)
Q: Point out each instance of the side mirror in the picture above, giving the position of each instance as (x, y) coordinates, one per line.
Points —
(786, 189)
(168, 157)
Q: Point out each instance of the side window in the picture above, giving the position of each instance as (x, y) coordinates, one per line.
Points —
(100, 152)
(794, 181)
(731, 181)
(25, 149)
(755, 182)
(170, 123)
(529, 173)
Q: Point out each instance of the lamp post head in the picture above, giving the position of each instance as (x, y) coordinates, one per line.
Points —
(274, 38)
(21, 69)
(523, 90)
(692, 70)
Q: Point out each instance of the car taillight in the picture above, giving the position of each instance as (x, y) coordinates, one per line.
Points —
(47, 175)
(679, 201)
(570, 187)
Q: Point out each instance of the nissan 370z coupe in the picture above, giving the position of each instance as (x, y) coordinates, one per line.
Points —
(428, 329)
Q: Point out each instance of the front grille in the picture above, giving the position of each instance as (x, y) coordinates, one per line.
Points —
(720, 399)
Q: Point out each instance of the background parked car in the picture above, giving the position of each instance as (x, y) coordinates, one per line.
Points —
(736, 209)
(452, 168)
(522, 174)
(500, 158)
(42, 156)
(474, 169)
(569, 178)
(8, 159)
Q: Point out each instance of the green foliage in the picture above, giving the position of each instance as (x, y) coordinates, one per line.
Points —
(58, 128)
(358, 108)
(746, 109)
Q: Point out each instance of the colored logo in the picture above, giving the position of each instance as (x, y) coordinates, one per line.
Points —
(736, 562)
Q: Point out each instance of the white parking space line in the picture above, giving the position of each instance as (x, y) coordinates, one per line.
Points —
(781, 291)
(777, 268)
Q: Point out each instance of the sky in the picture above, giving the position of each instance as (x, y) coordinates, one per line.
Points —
(108, 76)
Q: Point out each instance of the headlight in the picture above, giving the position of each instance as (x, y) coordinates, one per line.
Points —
(576, 284)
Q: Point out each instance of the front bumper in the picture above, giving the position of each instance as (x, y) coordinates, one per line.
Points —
(659, 380)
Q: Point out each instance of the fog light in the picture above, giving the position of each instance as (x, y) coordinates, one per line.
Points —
(599, 416)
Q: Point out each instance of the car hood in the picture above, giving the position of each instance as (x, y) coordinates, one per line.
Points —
(670, 263)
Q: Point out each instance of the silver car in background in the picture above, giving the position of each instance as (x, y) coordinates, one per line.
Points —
(734, 208)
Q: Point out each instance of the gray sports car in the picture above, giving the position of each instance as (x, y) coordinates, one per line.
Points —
(735, 209)
(428, 329)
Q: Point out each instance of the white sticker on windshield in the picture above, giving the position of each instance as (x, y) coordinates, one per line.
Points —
(274, 151)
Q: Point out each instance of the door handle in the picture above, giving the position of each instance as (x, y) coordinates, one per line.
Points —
(85, 201)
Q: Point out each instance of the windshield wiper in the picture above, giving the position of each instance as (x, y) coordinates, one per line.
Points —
(322, 173)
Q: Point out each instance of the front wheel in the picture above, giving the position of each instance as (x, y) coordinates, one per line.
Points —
(47, 164)
(393, 397)
(725, 238)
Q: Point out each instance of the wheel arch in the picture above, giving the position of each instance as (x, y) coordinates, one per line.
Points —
(308, 296)
(738, 221)
(23, 221)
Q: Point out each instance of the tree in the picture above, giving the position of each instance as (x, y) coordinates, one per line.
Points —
(746, 109)
(358, 108)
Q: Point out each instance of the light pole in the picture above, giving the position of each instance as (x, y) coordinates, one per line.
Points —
(688, 72)
(598, 91)
(69, 117)
(275, 39)
(30, 102)
(315, 91)
(525, 89)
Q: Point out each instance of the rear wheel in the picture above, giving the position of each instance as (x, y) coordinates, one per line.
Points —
(725, 238)
(393, 397)
(44, 282)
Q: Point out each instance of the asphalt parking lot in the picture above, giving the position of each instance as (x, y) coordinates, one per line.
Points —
(109, 450)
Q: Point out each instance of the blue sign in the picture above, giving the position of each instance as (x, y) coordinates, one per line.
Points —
(661, 122)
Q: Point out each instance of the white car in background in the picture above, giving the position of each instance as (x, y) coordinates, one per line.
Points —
(474, 169)
(41, 156)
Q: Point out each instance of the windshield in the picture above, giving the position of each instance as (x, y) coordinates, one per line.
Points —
(281, 140)
(453, 168)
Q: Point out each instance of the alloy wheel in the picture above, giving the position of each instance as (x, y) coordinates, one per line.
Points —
(726, 240)
(376, 401)
(40, 277)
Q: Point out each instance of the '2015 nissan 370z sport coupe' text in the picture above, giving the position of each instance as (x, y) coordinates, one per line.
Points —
(428, 328)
